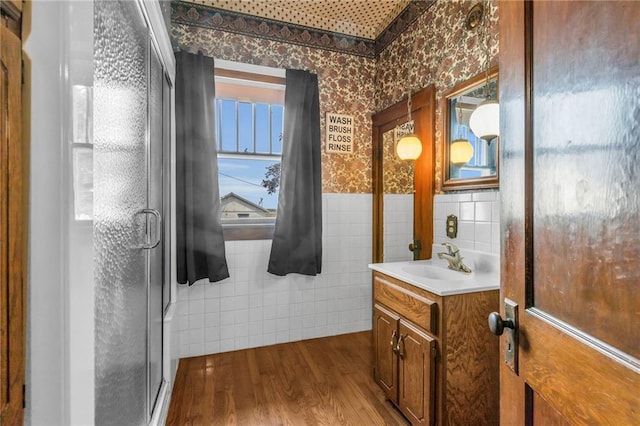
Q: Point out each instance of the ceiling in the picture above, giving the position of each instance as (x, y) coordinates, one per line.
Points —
(359, 18)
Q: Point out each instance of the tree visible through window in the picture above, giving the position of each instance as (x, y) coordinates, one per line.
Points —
(249, 143)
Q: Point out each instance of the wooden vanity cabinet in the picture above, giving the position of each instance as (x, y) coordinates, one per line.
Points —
(433, 355)
(385, 334)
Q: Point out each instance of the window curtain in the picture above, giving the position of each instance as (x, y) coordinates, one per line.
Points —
(297, 238)
(199, 239)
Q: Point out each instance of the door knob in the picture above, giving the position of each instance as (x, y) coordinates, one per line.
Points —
(497, 324)
(415, 247)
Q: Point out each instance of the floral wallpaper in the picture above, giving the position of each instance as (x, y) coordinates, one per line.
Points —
(397, 174)
(444, 53)
(345, 84)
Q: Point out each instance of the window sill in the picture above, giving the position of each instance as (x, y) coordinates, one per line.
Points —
(236, 230)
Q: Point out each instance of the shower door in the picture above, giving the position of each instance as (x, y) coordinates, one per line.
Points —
(128, 206)
(157, 140)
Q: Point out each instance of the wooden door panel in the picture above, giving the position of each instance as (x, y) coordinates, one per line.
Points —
(585, 133)
(12, 237)
(385, 359)
(584, 383)
(416, 374)
(569, 89)
(512, 171)
(545, 414)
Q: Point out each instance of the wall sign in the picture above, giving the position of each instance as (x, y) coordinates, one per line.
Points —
(402, 130)
(339, 133)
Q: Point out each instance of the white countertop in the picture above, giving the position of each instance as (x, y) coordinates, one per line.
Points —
(434, 276)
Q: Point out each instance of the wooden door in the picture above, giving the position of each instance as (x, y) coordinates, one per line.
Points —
(423, 114)
(570, 180)
(12, 229)
(416, 374)
(385, 335)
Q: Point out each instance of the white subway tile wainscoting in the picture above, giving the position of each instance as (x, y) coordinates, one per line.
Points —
(478, 220)
(253, 308)
(398, 227)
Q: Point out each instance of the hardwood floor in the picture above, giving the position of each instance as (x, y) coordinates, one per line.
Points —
(325, 381)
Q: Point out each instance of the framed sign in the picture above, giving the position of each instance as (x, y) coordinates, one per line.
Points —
(339, 133)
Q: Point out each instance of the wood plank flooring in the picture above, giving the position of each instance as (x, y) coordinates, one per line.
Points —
(325, 381)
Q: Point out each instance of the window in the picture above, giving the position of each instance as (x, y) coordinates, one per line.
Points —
(249, 119)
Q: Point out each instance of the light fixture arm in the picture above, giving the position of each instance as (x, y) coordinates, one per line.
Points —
(409, 147)
(486, 33)
(459, 117)
(410, 65)
(485, 119)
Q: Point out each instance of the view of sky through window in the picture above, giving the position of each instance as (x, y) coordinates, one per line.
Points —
(249, 141)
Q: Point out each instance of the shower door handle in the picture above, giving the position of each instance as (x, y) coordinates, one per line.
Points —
(156, 214)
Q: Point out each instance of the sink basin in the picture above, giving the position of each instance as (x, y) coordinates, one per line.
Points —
(435, 273)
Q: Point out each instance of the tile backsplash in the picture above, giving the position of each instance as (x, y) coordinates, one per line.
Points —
(254, 308)
(478, 220)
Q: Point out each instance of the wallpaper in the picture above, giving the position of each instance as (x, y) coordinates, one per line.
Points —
(296, 27)
(364, 19)
(444, 53)
(397, 174)
(345, 85)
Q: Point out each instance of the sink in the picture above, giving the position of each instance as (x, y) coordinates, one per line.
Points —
(436, 273)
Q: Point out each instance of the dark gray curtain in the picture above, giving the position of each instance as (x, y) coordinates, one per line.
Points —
(199, 240)
(297, 239)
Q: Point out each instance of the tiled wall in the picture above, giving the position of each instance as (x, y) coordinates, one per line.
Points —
(253, 308)
(478, 220)
(398, 227)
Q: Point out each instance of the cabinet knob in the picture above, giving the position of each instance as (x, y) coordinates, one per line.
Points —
(497, 324)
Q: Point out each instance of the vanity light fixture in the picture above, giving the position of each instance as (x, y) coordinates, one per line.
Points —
(460, 150)
(485, 119)
(409, 147)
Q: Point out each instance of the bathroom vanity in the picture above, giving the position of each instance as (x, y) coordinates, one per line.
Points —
(433, 353)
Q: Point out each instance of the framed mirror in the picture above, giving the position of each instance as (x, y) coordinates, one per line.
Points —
(469, 162)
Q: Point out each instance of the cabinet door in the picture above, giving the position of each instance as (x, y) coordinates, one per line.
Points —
(416, 371)
(385, 334)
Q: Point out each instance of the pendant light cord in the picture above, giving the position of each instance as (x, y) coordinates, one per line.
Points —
(486, 35)
(409, 66)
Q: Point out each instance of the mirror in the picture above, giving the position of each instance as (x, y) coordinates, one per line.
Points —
(403, 190)
(397, 189)
(468, 161)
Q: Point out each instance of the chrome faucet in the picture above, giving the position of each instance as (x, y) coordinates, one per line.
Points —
(453, 257)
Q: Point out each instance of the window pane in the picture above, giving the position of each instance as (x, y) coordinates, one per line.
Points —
(228, 125)
(276, 128)
(245, 127)
(242, 192)
(218, 106)
(262, 129)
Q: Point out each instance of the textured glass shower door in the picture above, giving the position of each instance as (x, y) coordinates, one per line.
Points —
(123, 224)
(155, 229)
